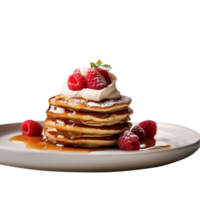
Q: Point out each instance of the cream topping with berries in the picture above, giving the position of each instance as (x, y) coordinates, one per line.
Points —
(110, 92)
(84, 69)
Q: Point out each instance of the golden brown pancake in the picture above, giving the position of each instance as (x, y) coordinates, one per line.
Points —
(62, 125)
(104, 106)
(83, 123)
(89, 118)
(81, 142)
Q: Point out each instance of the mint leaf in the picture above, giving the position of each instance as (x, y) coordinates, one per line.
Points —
(98, 63)
(107, 66)
(92, 64)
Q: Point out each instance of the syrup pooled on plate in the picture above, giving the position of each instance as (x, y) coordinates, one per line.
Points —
(40, 143)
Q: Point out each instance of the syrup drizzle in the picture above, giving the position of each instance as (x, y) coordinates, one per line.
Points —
(41, 143)
(152, 144)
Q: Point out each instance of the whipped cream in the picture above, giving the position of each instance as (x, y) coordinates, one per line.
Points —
(110, 92)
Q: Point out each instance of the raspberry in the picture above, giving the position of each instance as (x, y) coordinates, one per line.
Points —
(76, 81)
(31, 128)
(137, 130)
(128, 141)
(105, 74)
(95, 80)
(149, 127)
(75, 70)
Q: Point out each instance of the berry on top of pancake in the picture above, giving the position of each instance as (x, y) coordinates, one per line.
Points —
(97, 77)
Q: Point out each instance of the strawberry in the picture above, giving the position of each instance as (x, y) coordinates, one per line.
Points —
(95, 80)
(76, 81)
(105, 74)
(31, 128)
(149, 127)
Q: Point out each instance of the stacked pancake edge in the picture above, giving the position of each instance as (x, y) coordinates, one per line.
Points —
(77, 122)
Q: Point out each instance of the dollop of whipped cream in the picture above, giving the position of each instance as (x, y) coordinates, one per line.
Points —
(110, 92)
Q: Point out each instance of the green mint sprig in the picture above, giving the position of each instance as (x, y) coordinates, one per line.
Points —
(106, 67)
(93, 65)
(99, 63)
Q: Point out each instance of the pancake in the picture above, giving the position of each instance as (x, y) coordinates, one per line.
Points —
(62, 125)
(81, 142)
(89, 118)
(79, 122)
(104, 106)
(75, 135)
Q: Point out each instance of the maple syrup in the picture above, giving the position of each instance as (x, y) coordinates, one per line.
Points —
(41, 143)
(152, 144)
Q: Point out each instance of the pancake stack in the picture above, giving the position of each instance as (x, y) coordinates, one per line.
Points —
(79, 122)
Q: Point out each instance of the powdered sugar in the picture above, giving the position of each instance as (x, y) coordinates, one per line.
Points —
(76, 101)
(110, 102)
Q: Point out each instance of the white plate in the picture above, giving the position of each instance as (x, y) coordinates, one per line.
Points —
(183, 141)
